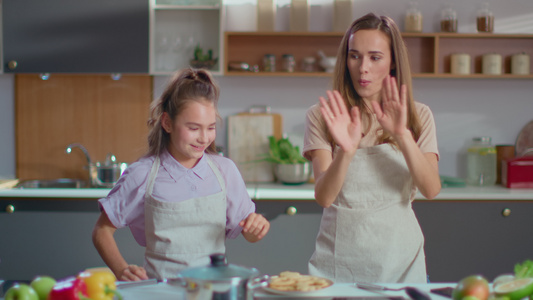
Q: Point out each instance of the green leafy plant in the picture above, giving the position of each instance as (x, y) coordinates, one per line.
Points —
(283, 152)
(524, 269)
(199, 54)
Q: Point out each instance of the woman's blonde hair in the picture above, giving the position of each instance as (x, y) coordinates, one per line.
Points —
(342, 80)
(185, 86)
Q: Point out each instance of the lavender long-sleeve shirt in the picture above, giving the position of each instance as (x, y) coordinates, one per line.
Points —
(124, 205)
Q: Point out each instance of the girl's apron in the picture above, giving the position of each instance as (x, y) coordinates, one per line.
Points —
(370, 233)
(183, 234)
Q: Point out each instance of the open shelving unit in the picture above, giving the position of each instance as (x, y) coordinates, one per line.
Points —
(429, 53)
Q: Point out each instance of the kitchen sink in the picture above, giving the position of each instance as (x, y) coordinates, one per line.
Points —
(61, 183)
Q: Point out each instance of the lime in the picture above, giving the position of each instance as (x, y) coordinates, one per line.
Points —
(515, 289)
(502, 279)
(470, 298)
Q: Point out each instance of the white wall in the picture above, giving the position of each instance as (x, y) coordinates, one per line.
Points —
(462, 108)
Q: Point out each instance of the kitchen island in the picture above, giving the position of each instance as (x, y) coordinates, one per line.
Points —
(467, 230)
(338, 291)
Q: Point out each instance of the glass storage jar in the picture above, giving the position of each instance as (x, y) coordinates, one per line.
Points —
(269, 63)
(413, 18)
(288, 63)
(448, 20)
(485, 19)
(481, 162)
(309, 64)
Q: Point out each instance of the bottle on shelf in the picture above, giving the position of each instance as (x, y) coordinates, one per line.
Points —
(481, 162)
(448, 20)
(413, 18)
(485, 19)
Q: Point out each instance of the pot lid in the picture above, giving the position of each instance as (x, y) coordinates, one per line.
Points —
(219, 269)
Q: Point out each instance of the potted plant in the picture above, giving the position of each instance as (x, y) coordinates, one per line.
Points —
(290, 167)
(203, 60)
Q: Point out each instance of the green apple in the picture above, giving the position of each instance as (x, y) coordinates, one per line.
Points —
(42, 286)
(21, 291)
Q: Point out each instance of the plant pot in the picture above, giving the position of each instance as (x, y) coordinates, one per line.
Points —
(203, 64)
(293, 174)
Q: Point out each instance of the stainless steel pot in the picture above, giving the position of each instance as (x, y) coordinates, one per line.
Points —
(221, 281)
(106, 174)
(101, 174)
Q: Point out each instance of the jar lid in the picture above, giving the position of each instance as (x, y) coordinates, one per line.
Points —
(309, 59)
(483, 139)
(219, 269)
(449, 14)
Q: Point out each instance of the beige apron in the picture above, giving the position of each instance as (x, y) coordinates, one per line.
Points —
(183, 234)
(370, 233)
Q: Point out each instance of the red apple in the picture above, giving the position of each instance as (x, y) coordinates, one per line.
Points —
(21, 292)
(473, 287)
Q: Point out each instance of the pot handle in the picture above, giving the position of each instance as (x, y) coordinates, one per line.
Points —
(258, 282)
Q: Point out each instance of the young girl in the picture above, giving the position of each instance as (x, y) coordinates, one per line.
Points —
(371, 146)
(181, 201)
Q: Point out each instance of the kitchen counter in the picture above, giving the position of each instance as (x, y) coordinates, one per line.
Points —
(274, 191)
(336, 291)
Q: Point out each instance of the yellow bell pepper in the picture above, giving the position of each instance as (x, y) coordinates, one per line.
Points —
(100, 285)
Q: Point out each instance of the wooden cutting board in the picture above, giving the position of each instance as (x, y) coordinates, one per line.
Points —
(248, 140)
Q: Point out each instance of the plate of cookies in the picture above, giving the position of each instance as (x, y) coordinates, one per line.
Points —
(289, 283)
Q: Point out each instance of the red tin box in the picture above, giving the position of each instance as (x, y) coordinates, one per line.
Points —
(518, 172)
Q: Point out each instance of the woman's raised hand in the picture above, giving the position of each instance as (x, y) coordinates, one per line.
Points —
(392, 113)
(345, 127)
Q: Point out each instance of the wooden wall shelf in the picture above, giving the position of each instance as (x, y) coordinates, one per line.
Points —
(429, 53)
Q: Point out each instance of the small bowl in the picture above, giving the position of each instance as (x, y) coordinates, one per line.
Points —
(293, 174)
(328, 63)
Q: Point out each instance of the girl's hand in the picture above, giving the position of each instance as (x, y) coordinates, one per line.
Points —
(345, 127)
(392, 114)
(133, 273)
(254, 227)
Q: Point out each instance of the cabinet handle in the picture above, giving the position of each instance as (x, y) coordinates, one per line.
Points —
(506, 212)
(10, 208)
(291, 211)
(12, 64)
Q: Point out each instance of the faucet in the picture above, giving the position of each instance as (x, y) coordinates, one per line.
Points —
(69, 150)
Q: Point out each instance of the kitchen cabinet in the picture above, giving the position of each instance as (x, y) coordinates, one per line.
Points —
(177, 27)
(475, 237)
(462, 237)
(429, 53)
(55, 36)
(53, 237)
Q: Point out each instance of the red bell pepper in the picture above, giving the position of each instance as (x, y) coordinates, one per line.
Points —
(69, 289)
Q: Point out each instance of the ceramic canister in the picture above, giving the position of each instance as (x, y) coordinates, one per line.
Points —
(520, 64)
(492, 64)
(460, 63)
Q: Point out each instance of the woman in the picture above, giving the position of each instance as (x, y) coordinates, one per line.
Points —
(372, 146)
(182, 200)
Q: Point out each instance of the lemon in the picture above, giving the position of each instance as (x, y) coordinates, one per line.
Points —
(515, 289)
